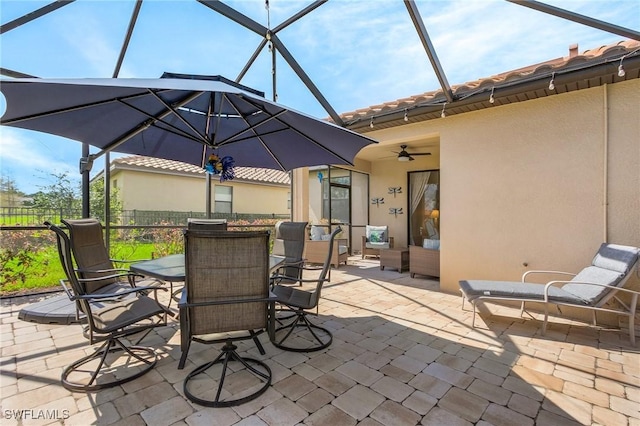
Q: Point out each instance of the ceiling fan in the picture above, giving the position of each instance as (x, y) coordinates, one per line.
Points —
(403, 155)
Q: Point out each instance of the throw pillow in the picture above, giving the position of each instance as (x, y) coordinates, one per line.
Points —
(316, 233)
(376, 237)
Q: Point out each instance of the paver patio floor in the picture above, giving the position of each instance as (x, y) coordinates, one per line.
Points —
(403, 354)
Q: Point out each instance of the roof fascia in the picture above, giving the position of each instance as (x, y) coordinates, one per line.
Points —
(480, 96)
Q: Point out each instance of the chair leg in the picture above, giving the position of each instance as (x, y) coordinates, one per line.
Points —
(301, 321)
(632, 329)
(546, 318)
(99, 379)
(185, 336)
(185, 351)
(254, 336)
(473, 318)
(229, 354)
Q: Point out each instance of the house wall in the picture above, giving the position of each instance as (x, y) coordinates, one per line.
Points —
(160, 191)
(531, 185)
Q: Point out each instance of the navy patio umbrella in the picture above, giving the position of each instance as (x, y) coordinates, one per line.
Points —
(178, 117)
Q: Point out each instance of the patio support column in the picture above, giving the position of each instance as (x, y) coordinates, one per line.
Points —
(300, 194)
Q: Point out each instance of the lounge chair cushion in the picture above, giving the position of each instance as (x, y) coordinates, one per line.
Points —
(616, 257)
(592, 294)
(474, 289)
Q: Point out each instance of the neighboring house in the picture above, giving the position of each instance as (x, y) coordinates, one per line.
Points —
(146, 183)
(532, 175)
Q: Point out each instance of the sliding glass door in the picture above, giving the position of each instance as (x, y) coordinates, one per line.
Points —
(424, 208)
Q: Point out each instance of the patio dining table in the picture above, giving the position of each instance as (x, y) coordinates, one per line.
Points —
(171, 269)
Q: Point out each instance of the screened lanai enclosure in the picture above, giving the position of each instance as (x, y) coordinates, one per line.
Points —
(284, 49)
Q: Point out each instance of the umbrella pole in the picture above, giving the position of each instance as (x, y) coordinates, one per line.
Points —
(85, 182)
(207, 185)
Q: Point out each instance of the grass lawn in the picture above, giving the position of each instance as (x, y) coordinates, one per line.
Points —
(45, 272)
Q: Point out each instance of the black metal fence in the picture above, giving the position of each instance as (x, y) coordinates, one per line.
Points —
(24, 216)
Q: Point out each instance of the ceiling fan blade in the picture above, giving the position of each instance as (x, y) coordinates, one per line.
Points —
(420, 153)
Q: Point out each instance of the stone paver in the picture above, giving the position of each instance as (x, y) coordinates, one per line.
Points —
(358, 401)
(403, 353)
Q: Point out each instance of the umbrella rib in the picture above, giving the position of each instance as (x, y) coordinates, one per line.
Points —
(251, 128)
(152, 120)
(180, 117)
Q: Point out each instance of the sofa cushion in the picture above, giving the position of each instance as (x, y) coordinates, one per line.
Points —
(317, 232)
(431, 244)
(377, 245)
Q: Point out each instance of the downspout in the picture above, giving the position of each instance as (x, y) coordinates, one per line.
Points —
(605, 160)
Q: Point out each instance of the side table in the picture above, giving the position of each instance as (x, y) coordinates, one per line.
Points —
(396, 257)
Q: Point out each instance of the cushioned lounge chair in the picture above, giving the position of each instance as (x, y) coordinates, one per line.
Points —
(598, 287)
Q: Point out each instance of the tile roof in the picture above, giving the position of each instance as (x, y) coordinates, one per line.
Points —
(247, 174)
(576, 71)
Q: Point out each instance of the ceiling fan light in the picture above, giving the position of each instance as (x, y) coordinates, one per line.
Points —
(402, 157)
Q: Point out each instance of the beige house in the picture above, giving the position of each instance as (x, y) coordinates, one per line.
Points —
(537, 167)
(146, 183)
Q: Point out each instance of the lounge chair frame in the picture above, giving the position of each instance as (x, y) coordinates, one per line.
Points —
(615, 291)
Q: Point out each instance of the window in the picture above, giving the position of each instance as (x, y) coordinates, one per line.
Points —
(223, 199)
(424, 208)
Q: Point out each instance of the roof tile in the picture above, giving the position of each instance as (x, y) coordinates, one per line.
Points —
(250, 174)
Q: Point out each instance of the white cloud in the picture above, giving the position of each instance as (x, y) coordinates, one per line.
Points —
(31, 158)
(358, 53)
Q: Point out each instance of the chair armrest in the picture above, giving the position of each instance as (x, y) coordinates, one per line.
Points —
(612, 288)
(223, 302)
(107, 296)
(526, 274)
(101, 271)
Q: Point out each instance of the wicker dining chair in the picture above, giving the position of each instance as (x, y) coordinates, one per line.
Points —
(113, 314)
(295, 304)
(226, 299)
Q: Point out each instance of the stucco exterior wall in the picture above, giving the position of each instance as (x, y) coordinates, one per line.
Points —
(532, 185)
(523, 186)
(159, 191)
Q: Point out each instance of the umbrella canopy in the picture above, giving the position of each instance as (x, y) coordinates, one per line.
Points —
(178, 118)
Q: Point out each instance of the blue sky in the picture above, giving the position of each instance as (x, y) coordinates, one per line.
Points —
(358, 53)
